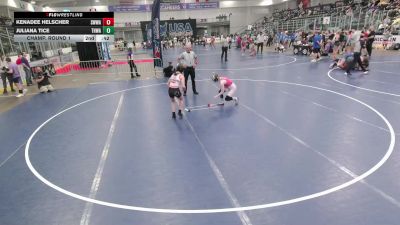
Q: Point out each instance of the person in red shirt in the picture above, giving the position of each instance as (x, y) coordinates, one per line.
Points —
(243, 45)
(225, 85)
(19, 59)
(212, 42)
(252, 48)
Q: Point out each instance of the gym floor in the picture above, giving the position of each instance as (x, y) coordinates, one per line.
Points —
(306, 145)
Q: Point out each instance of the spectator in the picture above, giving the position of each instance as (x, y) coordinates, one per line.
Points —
(292, 39)
(212, 43)
(386, 36)
(5, 76)
(164, 44)
(260, 42)
(229, 39)
(131, 63)
(350, 41)
(270, 39)
(370, 40)
(317, 43)
(27, 70)
(19, 60)
(13, 69)
(43, 82)
(386, 21)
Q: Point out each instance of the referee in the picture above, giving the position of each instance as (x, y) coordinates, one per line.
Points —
(189, 61)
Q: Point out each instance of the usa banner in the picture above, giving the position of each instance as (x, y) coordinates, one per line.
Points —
(156, 37)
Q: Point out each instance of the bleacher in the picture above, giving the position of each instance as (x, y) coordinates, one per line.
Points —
(342, 15)
(7, 34)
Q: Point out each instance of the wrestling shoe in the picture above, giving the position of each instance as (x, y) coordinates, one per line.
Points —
(236, 99)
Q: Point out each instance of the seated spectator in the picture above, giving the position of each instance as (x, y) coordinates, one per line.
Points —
(169, 70)
(42, 79)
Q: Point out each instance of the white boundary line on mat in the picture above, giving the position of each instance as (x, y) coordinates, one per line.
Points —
(217, 210)
(365, 89)
(252, 68)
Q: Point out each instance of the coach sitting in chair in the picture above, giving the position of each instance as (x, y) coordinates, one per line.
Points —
(42, 79)
(169, 70)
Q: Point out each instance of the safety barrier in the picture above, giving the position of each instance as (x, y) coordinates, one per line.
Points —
(144, 66)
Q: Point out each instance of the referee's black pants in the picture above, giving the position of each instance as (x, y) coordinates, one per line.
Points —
(190, 71)
(224, 52)
(260, 45)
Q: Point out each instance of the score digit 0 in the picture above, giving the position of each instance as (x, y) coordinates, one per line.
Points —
(108, 21)
(108, 30)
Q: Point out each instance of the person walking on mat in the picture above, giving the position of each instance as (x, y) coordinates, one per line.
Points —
(131, 63)
(225, 45)
(260, 43)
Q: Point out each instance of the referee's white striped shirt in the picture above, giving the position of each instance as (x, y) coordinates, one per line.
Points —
(188, 59)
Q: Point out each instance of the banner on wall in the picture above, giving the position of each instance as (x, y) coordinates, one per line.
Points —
(380, 40)
(326, 20)
(156, 37)
(170, 28)
(164, 7)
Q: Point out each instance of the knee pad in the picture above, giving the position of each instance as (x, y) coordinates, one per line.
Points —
(228, 98)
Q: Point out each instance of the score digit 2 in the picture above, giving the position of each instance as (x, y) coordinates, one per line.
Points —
(108, 21)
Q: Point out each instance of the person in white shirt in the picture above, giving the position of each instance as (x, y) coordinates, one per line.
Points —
(229, 39)
(5, 76)
(189, 61)
(260, 42)
(265, 39)
(225, 44)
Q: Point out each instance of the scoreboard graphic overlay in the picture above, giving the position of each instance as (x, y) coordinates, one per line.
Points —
(63, 26)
